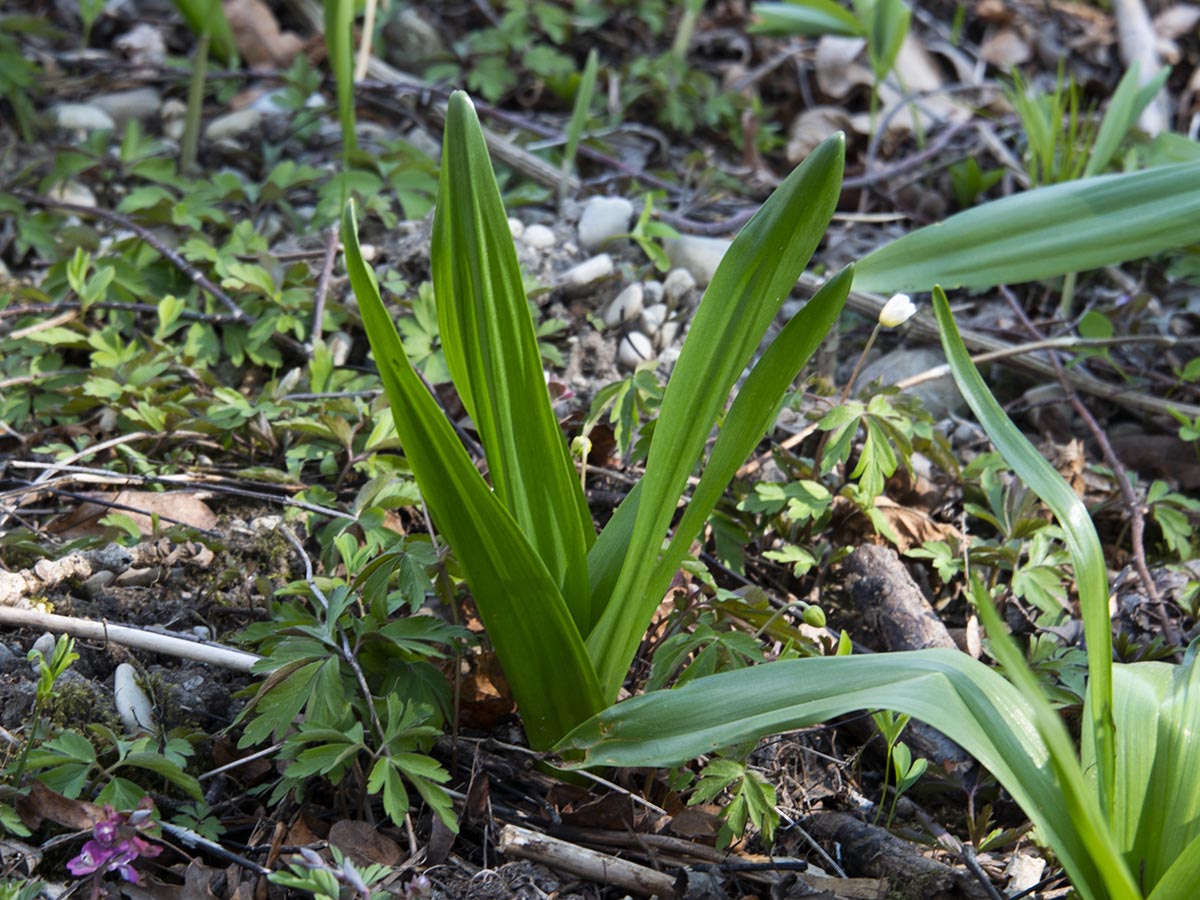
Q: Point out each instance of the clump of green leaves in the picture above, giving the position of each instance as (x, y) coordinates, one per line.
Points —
(752, 799)
(362, 675)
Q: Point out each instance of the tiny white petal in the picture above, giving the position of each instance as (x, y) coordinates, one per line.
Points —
(897, 311)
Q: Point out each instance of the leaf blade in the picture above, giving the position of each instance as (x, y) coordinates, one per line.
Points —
(1075, 226)
(491, 349)
(547, 666)
(755, 275)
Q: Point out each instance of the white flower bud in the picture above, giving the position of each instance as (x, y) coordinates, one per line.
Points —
(897, 311)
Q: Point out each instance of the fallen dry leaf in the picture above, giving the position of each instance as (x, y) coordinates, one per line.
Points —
(364, 844)
(173, 507)
(259, 39)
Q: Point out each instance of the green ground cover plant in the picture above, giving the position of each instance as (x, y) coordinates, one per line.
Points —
(566, 609)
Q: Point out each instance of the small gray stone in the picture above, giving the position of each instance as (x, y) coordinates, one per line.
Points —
(667, 334)
(44, 644)
(635, 348)
(699, 255)
(587, 272)
(539, 237)
(234, 125)
(653, 318)
(603, 219)
(940, 395)
(96, 585)
(625, 307)
(412, 42)
(82, 117)
(137, 105)
(654, 291)
(678, 287)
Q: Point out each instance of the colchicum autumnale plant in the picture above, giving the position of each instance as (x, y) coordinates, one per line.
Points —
(566, 609)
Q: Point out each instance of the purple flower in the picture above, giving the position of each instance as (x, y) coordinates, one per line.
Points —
(116, 844)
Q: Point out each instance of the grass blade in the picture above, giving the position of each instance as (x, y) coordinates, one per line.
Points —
(579, 116)
(1127, 103)
(209, 15)
(756, 274)
(1082, 542)
(339, 47)
(1157, 712)
(545, 663)
(491, 349)
(1076, 226)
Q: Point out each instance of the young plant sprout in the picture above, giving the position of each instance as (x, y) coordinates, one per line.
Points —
(898, 310)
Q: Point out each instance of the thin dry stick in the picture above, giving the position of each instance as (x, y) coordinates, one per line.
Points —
(1062, 343)
(348, 653)
(1132, 505)
(211, 483)
(152, 641)
(331, 250)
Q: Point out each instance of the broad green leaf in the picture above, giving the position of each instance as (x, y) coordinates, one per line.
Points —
(1181, 879)
(160, 765)
(520, 604)
(1044, 233)
(1157, 808)
(1091, 574)
(752, 413)
(491, 349)
(755, 276)
(960, 696)
(812, 17)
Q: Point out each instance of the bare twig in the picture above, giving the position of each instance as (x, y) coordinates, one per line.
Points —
(331, 249)
(181, 646)
(348, 654)
(146, 235)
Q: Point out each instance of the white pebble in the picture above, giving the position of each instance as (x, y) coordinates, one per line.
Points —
(699, 255)
(588, 271)
(233, 125)
(679, 284)
(539, 237)
(654, 291)
(125, 106)
(635, 349)
(133, 706)
(75, 193)
(653, 318)
(516, 228)
(625, 307)
(603, 219)
(82, 117)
